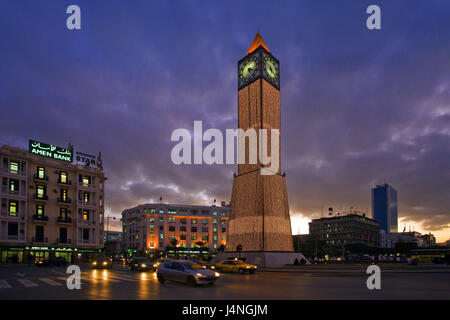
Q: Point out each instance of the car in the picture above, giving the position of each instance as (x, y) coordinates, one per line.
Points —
(59, 261)
(186, 271)
(161, 261)
(142, 264)
(366, 257)
(235, 265)
(102, 263)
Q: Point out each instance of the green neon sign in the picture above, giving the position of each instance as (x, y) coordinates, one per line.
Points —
(50, 151)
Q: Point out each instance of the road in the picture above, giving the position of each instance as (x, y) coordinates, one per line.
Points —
(30, 282)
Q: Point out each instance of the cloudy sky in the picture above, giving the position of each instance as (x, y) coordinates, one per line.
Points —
(359, 107)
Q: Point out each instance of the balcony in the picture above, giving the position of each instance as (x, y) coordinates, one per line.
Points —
(44, 178)
(87, 242)
(65, 241)
(90, 186)
(40, 218)
(5, 213)
(39, 197)
(39, 240)
(91, 203)
(67, 183)
(67, 220)
(64, 201)
(15, 193)
(88, 222)
(13, 172)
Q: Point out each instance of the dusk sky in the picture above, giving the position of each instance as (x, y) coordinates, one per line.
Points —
(359, 106)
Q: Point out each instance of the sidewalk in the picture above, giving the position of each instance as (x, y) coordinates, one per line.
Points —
(355, 269)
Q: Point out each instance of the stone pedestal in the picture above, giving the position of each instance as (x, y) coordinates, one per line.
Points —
(264, 259)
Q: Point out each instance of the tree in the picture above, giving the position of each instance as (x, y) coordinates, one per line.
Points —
(221, 248)
(173, 243)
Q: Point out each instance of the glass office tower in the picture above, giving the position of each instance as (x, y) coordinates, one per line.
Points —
(385, 207)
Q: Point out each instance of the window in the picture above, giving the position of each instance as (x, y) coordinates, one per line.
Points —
(14, 167)
(215, 221)
(215, 237)
(152, 227)
(193, 229)
(161, 219)
(171, 228)
(86, 197)
(205, 229)
(183, 221)
(40, 210)
(85, 234)
(224, 230)
(183, 237)
(214, 213)
(63, 195)
(193, 221)
(161, 236)
(63, 213)
(152, 210)
(171, 219)
(194, 237)
(13, 229)
(151, 220)
(13, 208)
(224, 214)
(214, 229)
(151, 235)
(63, 235)
(224, 238)
(63, 177)
(13, 185)
(215, 245)
(41, 172)
(41, 192)
(86, 181)
(223, 221)
(205, 238)
(205, 221)
(85, 215)
(182, 228)
(171, 236)
(39, 234)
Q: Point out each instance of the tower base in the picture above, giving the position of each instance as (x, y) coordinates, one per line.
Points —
(264, 259)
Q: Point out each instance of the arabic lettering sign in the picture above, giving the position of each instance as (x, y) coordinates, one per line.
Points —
(50, 151)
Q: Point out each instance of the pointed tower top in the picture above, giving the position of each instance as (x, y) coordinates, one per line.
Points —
(257, 42)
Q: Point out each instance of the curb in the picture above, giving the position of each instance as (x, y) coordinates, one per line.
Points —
(353, 271)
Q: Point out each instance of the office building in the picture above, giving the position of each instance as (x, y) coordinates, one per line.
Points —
(385, 207)
(151, 227)
(51, 204)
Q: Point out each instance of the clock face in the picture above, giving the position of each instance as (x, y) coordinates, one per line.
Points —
(247, 69)
(271, 67)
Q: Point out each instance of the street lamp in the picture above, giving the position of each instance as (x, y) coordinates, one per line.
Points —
(107, 229)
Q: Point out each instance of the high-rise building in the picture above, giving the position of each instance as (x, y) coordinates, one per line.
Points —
(50, 204)
(385, 207)
(151, 227)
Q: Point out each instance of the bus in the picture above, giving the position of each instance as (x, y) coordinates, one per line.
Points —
(431, 255)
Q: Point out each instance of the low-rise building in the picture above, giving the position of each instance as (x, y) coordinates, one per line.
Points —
(340, 230)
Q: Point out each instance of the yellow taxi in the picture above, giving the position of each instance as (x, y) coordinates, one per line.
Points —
(235, 265)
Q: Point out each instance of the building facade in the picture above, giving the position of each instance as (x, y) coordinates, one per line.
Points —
(385, 207)
(50, 206)
(389, 240)
(151, 227)
(339, 231)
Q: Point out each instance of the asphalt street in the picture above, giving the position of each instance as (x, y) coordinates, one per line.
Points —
(30, 282)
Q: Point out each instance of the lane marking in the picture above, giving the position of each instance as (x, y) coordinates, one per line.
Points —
(50, 282)
(27, 283)
(4, 284)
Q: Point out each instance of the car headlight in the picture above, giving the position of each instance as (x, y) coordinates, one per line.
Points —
(105, 263)
(217, 274)
(155, 265)
(247, 267)
(143, 265)
(94, 263)
(200, 275)
(212, 267)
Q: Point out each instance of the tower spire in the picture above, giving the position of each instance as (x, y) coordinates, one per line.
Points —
(257, 42)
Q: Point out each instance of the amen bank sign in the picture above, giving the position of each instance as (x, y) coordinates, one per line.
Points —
(50, 151)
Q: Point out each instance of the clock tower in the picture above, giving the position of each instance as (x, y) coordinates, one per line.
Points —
(259, 219)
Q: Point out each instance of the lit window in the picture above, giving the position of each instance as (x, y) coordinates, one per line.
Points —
(215, 221)
(171, 219)
(13, 185)
(214, 213)
(40, 191)
(41, 172)
(86, 181)
(63, 177)
(224, 238)
(161, 236)
(39, 210)
(215, 237)
(13, 208)
(14, 167)
(151, 235)
(194, 237)
(85, 215)
(214, 229)
(193, 221)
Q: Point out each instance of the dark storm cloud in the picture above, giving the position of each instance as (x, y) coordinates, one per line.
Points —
(358, 106)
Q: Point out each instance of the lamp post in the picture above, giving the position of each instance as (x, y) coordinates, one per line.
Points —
(107, 230)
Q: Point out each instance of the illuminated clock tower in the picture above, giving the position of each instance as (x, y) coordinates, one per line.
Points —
(259, 219)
